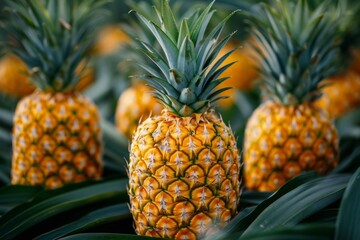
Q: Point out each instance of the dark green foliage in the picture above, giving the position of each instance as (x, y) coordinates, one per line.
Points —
(52, 37)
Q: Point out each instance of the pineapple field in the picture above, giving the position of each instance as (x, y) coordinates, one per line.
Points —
(164, 119)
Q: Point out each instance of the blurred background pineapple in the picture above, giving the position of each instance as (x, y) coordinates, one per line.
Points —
(56, 136)
(341, 93)
(287, 134)
(14, 79)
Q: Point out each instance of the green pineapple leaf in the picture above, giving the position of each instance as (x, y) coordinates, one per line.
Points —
(298, 47)
(187, 74)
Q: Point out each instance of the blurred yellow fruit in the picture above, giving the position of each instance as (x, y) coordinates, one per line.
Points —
(13, 77)
(341, 95)
(15, 82)
(135, 103)
(57, 140)
(283, 141)
(110, 39)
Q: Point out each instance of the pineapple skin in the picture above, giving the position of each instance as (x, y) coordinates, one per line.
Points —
(56, 140)
(13, 79)
(283, 141)
(135, 103)
(184, 176)
(341, 95)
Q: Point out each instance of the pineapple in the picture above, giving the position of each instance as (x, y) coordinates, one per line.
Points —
(184, 180)
(341, 94)
(288, 134)
(135, 103)
(56, 136)
(13, 79)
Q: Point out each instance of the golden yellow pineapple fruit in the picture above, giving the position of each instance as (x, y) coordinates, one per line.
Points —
(13, 77)
(242, 73)
(184, 167)
(135, 103)
(109, 39)
(341, 95)
(57, 140)
(283, 141)
(288, 135)
(184, 175)
(57, 137)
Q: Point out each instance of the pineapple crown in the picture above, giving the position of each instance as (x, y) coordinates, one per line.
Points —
(52, 37)
(137, 30)
(298, 47)
(187, 74)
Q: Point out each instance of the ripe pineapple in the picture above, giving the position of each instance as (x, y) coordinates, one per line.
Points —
(342, 91)
(287, 134)
(184, 180)
(56, 137)
(135, 103)
(13, 78)
(341, 94)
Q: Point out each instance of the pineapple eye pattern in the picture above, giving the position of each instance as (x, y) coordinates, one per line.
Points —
(48, 151)
(197, 185)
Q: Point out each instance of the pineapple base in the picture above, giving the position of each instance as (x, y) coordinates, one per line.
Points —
(283, 141)
(184, 176)
(56, 140)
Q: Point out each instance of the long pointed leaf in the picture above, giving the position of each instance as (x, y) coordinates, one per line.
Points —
(300, 203)
(95, 218)
(51, 203)
(348, 222)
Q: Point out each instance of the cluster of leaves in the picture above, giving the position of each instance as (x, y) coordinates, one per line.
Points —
(61, 47)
